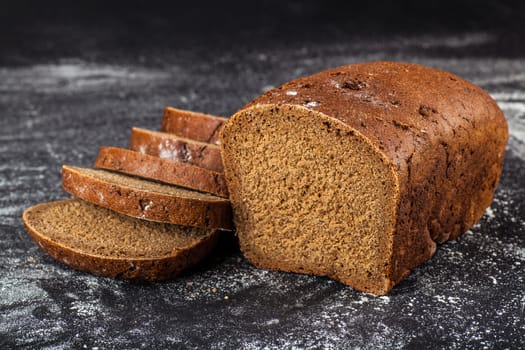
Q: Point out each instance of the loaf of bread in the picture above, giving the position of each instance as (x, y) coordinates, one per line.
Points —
(100, 241)
(147, 199)
(170, 146)
(192, 125)
(163, 170)
(357, 172)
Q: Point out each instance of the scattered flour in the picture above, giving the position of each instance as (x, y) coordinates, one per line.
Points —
(84, 309)
(75, 76)
(47, 303)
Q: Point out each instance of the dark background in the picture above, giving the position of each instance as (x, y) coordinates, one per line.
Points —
(125, 30)
(77, 76)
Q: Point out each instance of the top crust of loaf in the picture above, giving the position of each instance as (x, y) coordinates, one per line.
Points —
(301, 187)
(444, 136)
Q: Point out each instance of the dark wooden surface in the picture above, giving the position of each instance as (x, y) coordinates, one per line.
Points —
(76, 77)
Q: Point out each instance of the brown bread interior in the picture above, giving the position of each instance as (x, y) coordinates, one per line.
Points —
(92, 230)
(310, 195)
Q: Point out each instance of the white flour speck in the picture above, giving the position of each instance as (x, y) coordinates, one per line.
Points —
(453, 300)
(148, 206)
(489, 214)
(101, 197)
(385, 299)
(291, 92)
(312, 104)
(362, 300)
(167, 154)
(267, 88)
(440, 298)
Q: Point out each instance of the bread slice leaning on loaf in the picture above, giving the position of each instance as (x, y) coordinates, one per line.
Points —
(148, 200)
(357, 172)
(192, 125)
(169, 146)
(164, 170)
(100, 241)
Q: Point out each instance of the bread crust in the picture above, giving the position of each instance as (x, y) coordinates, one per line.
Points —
(143, 204)
(160, 169)
(193, 125)
(444, 136)
(169, 146)
(151, 269)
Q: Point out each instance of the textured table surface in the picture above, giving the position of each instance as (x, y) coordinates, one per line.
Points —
(75, 79)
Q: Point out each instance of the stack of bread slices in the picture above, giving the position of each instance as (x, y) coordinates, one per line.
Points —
(147, 212)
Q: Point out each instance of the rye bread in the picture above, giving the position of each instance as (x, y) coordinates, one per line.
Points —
(170, 146)
(357, 172)
(163, 170)
(192, 125)
(147, 199)
(97, 240)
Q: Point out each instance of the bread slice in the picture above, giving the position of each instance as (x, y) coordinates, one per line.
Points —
(146, 199)
(102, 242)
(163, 170)
(169, 146)
(192, 125)
(357, 172)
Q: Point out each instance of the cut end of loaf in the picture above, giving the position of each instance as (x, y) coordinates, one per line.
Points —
(323, 202)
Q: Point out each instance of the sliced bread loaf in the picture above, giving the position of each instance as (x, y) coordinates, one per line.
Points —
(146, 199)
(357, 172)
(170, 146)
(163, 170)
(100, 241)
(192, 125)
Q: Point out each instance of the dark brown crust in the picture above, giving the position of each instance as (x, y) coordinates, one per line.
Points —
(153, 269)
(176, 148)
(444, 136)
(148, 205)
(164, 170)
(192, 125)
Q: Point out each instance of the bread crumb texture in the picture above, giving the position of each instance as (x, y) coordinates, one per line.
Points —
(99, 231)
(99, 240)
